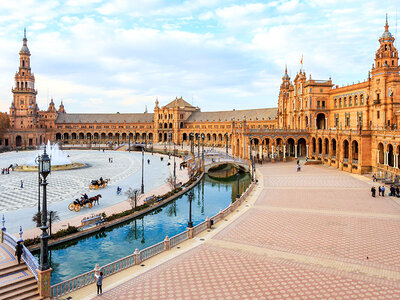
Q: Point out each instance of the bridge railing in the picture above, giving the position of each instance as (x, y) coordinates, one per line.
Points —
(27, 256)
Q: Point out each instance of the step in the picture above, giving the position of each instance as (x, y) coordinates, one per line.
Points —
(16, 284)
(28, 296)
(31, 289)
(12, 269)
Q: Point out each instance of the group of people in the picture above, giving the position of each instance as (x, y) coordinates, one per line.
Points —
(394, 191)
(5, 171)
(110, 160)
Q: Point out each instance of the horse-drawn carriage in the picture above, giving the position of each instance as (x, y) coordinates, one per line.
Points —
(77, 204)
(95, 184)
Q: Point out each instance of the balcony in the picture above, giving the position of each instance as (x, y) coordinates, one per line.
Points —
(377, 101)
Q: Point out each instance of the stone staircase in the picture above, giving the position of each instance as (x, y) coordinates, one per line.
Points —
(16, 281)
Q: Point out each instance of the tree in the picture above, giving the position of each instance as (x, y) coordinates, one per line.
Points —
(171, 181)
(52, 216)
(133, 196)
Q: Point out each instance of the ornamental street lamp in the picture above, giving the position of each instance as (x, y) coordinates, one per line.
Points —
(174, 168)
(226, 138)
(44, 170)
(118, 137)
(39, 182)
(142, 188)
(237, 177)
(190, 223)
(191, 143)
(129, 138)
(202, 150)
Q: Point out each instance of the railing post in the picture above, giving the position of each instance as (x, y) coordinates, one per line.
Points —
(44, 283)
(136, 254)
(208, 222)
(167, 244)
(190, 232)
(221, 214)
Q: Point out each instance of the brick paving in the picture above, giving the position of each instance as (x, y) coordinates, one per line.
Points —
(300, 240)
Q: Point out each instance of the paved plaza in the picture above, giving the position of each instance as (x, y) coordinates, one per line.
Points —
(19, 204)
(308, 235)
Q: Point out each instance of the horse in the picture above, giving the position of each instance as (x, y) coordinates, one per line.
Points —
(95, 199)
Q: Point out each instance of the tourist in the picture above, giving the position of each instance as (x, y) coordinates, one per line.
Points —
(148, 161)
(383, 191)
(99, 283)
(298, 167)
(18, 251)
(22, 184)
(380, 190)
(397, 192)
(392, 191)
(373, 191)
(373, 177)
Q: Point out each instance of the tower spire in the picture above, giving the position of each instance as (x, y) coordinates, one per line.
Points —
(24, 33)
(386, 25)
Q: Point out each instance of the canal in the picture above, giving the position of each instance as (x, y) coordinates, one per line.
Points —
(76, 257)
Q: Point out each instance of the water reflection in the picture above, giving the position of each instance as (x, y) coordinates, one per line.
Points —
(79, 256)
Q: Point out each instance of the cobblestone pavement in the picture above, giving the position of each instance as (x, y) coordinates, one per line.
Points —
(300, 240)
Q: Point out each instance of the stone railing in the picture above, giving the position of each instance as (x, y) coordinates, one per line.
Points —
(27, 256)
(137, 257)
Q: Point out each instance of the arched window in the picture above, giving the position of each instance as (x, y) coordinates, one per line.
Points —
(378, 64)
(392, 62)
(23, 64)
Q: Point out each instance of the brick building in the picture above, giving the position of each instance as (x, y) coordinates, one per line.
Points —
(354, 128)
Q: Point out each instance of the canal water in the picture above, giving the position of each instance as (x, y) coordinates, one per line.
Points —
(76, 257)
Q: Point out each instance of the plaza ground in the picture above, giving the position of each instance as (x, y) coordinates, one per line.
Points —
(313, 234)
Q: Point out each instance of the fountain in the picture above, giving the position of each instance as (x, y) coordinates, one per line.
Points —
(59, 160)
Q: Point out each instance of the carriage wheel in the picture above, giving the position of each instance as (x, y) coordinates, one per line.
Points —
(91, 187)
(104, 185)
(77, 207)
(90, 205)
(96, 187)
(71, 206)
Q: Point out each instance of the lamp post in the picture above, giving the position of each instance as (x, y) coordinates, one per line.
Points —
(190, 223)
(191, 143)
(118, 137)
(238, 177)
(202, 150)
(142, 187)
(39, 182)
(129, 144)
(44, 170)
(174, 168)
(226, 138)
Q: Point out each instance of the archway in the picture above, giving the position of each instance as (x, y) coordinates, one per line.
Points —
(354, 150)
(380, 153)
(184, 137)
(321, 121)
(390, 161)
(290, 147)
(346, 150)
(301, 147)
(81, 136)
(333, 143)
(73, 135)
(66, 136)
(326, 146)
(314, 146)
(58, 136)
(319, 146)
(18, 141)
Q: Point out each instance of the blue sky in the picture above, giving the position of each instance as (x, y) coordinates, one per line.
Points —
(109, 56)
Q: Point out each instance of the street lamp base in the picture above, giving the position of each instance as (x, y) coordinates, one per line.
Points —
(142, 189)
(190, 224)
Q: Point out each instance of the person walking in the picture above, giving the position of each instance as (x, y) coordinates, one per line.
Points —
(18, 251)
(22, 184)
(380, 190)
(373, 191)
(99, 283)
(298, 168)
(383, 191)
(397, 192)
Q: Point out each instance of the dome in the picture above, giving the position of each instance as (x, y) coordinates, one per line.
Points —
(24, 49)
(387, 35)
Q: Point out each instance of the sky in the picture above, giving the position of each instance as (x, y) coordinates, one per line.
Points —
(121, 55)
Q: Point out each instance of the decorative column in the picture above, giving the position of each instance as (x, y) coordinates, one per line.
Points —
(396, 161)
(306, 151)
(295, 151)
(284, 152)
(272, 154)
(377, 156)
(326, 123)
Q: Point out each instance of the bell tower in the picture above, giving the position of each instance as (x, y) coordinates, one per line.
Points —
(23, 110)
(387, 55)
(283, 100)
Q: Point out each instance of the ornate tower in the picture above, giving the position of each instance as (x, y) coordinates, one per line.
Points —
(23, 110)
(283, 100)
(387, 55)
(384, 88)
